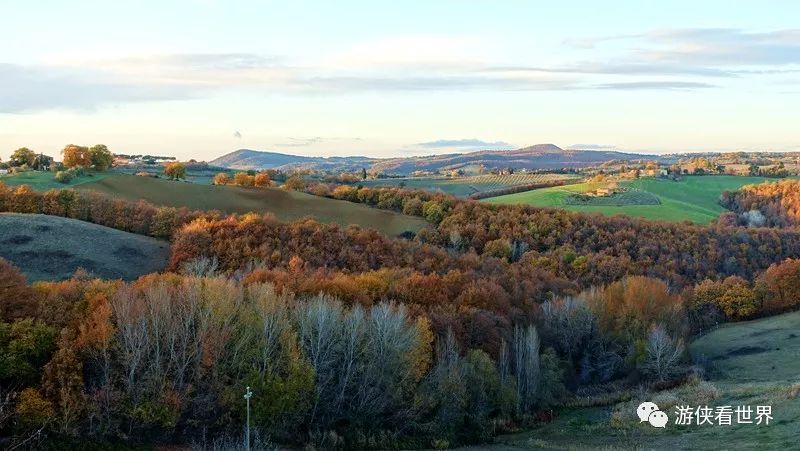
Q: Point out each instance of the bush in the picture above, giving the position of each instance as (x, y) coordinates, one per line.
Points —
(64, 176)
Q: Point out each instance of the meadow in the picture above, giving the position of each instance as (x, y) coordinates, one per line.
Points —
(749, 363)
(52, 248)
(469, 185)
(694, 199)
(43, 181)
(286, 205)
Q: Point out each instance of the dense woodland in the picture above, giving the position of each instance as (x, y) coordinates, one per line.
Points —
(767, 204)
(481, 323)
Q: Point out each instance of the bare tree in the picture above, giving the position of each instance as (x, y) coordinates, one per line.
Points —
(663, 353)
(318, 330)
(568, 324)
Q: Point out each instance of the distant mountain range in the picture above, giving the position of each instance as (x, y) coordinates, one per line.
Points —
(540, 156)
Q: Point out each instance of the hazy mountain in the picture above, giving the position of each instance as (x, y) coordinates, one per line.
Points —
(540, 156)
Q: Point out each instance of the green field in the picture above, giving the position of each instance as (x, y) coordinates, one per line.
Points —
(43, 181)
(693, 199)
(469, 185)
(284, 204)
(752, 363)
(52, 248)
(628, 197)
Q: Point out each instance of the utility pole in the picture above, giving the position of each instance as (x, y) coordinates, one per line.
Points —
(247, 395)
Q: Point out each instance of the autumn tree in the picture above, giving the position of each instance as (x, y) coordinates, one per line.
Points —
(737, 300)
(76, 156)
(295, 182)
(175, 171)
(261, 179)
(779, 286)
(22, 156)
(243, 179)
(16, 298)
(222, 179)
(100, 157)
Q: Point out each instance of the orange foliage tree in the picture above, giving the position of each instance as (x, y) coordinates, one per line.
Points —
(261, 179)
(76, 156)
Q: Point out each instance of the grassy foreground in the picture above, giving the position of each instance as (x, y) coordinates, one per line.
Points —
(751, 363)
(52, 248)
(284, 204)
(693, 199)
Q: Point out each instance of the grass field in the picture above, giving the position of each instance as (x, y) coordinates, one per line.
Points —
(284, 204)
(468, 185)
(753, 363)
(693, 199)
(52, 248)
(628, 197)
(43, 181)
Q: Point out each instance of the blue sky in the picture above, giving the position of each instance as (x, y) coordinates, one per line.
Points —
(197, 79)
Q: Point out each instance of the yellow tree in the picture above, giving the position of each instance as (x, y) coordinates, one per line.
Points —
(221, 179)
(76, 156)
(175, 171)
(261, 179)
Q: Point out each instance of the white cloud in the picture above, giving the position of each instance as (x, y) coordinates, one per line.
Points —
(677, 59)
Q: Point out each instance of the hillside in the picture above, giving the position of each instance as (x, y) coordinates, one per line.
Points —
(693, 199)
(751, 363)
(285, 205)
(540, 156)
(256, 159)
(52, 248)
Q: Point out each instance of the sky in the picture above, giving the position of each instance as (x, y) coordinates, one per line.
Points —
(198, 79)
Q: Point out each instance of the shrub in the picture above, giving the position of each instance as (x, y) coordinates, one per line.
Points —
(64, 176)
(242, 179)
(261, 179)
(296, 183)
(222, 179)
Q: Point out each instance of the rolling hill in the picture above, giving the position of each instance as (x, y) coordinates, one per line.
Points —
(540, 156)
(255, 159)
(694, 199)
(52, 248)
(284, 204)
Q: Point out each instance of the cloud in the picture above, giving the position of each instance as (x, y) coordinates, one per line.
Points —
(27, 89)
(711, 47)
(665, 60)
(469, 143)
(630, 68)
(301, 142)
(435, 82)
(651, 85)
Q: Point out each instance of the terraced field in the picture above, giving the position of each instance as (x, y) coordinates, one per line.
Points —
(470, 185)
(693, 199)
(284, 204)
